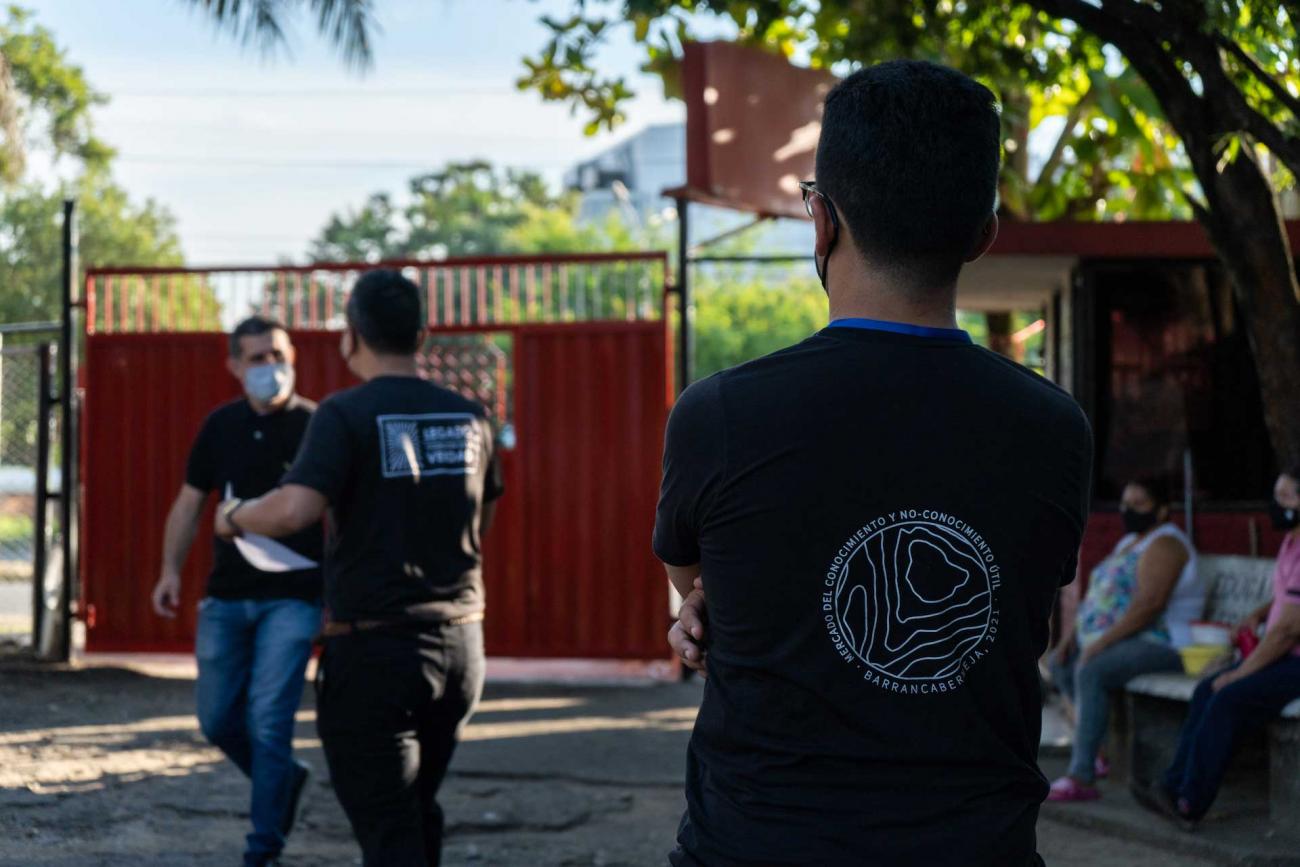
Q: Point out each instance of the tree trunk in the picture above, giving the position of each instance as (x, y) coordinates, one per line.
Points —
(1241, 212)
(1247, 232)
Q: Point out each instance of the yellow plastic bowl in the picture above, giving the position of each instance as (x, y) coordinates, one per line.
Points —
(1196, 657)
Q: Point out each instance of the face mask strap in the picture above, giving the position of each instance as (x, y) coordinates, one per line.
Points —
(824, 268)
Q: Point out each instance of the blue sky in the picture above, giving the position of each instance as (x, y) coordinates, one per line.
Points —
(253, 156)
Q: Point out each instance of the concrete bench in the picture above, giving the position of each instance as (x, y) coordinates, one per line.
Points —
(1150, 719)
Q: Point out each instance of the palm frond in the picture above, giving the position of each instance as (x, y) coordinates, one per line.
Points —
(347, 24)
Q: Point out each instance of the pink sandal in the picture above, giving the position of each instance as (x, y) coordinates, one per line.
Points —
(1070, 789)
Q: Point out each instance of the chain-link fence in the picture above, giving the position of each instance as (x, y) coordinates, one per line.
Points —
(20, 419)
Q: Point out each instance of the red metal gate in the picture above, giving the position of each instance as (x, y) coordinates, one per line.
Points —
(587, 387)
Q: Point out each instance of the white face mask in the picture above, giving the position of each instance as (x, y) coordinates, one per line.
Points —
(265, 383)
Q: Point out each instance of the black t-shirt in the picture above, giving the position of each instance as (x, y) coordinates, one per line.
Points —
(243, 454)
(407, 467)
(883, 521)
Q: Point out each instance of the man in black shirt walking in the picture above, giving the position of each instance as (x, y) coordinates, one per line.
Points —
(881, 516)
(409, 473)
(255, 627)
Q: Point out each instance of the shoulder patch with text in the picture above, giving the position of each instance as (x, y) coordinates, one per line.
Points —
(432, 444)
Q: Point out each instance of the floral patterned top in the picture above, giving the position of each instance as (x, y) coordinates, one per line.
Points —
(1110, 592)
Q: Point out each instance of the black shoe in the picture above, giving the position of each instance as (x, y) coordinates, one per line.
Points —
(301, 774)
(1156, 798)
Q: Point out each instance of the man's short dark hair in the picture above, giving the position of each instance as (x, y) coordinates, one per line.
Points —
(384, 310)
(909, 155)
(253, 326)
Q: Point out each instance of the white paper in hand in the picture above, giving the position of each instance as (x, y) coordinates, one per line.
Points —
(268, 555)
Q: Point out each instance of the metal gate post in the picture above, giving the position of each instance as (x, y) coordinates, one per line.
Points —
(684, 333)
(40, 532)
(67, 456)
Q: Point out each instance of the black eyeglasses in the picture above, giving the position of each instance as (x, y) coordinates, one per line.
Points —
(809, 189)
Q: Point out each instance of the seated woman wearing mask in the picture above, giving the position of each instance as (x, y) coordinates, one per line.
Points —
(1138, 611)
(1231, 704)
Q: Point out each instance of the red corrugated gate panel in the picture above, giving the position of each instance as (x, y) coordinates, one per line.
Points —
(590, 448)
(568, 566)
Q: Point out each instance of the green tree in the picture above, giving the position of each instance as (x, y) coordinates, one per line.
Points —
(45, 100)
(1167, 108)
(51, 101)
(465, 209)
(740, 318)
(113, 231)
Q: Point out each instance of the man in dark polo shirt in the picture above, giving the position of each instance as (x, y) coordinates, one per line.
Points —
(409, 474)
(881, 516)
(255, 627)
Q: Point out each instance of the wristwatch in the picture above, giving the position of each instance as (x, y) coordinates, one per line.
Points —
(228, 512)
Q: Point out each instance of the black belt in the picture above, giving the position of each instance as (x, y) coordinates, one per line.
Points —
(335, 628)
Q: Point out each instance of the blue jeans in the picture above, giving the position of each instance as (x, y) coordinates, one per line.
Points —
(1089, 686)
(252, 656)
(1217, 722)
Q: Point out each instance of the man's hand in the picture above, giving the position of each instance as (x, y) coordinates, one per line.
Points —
(167, 595)
(686, 637)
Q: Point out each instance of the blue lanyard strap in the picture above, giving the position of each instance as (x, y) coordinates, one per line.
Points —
(903, 328)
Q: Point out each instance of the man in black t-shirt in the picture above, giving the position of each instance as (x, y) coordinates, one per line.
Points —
(881, 517)
(255, 627)
(409, 474)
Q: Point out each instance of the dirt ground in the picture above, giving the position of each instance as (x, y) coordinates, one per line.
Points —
(105, 766)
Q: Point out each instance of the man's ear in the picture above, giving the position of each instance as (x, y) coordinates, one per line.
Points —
(823, 227)
(987, 236)
(232, 364)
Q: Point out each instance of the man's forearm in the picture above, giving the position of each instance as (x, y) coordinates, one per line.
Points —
(266, 517)
(281, 512)
(683, 577)
(178, 537)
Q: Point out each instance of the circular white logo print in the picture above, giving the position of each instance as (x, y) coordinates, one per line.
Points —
(911, 599)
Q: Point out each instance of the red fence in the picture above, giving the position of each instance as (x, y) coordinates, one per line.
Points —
(568, 566)
(479, 292)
